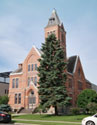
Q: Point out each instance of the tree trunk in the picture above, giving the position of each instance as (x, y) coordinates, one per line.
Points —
(56, 110)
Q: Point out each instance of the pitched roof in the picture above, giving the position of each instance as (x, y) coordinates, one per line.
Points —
(19, 70)
(54, 19)
(71, 64)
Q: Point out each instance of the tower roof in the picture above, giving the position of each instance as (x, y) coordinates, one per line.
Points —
(54, 19)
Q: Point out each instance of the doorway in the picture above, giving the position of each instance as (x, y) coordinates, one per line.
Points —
(31, 100)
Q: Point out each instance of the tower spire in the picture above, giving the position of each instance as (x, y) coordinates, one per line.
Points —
(56, 27)
(54, 19)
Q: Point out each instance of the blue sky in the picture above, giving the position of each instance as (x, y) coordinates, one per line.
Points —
(22, 25)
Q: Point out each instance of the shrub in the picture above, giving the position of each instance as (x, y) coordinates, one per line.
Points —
(5, 107)
(40, 110)
(4, 99)
(92, 107)
(75, 111)
(85, 97)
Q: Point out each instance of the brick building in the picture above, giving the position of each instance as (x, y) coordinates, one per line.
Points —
(23, 90)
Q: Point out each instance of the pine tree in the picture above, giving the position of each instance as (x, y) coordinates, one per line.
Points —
(52, 90)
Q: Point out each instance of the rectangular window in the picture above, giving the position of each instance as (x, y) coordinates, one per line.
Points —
(34, 100)
(19, 98)
(32, 79)
(80, 87)
(35, 66)
(28, 67)
(17, 82)
(15, 98)
(32, 67)
(35, 81)
(28, 81)
(13, 83)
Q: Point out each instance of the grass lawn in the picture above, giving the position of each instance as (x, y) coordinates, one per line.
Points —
(76, 118)
(43, 123)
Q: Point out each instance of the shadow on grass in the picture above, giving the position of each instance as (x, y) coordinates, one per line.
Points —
(12, 122)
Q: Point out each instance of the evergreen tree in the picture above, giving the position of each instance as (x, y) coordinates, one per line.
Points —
(52, 90)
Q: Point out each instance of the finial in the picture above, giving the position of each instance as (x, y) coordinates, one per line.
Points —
(54, 10)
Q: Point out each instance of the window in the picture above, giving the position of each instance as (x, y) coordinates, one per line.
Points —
(70, 83)
(15, 98)
(17, 82)
(28, 67)
(13, 83)
(80, 87)
(28, 81)
(34, 100)
(19, 98)
(35, 81)
(32, 79)
(5, 91)
(32, 67)
(35, 66)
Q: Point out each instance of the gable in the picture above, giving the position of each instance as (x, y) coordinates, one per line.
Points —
(32, 56)
(71, 64)
(34, 52)
(79, 69)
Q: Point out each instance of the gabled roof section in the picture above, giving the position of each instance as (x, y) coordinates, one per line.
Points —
(37, 50)
(17, 70)
(71, 64)
(54, 19)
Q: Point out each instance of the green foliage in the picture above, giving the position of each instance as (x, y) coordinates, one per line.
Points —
(92, 108)
(75, 111)
(4, 99)
(40, 109)
(86, 96)
(5, 107)
(52, 74)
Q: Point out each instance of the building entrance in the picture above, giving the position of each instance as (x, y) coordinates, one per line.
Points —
(31, 100)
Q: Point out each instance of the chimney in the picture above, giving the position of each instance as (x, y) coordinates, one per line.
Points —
(20, 65)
